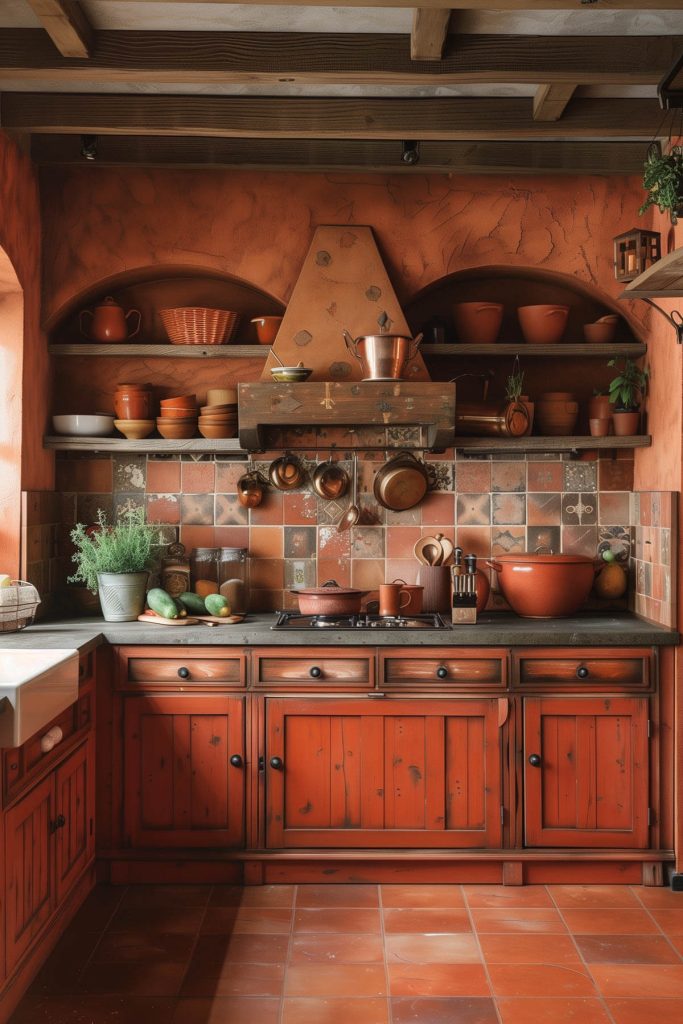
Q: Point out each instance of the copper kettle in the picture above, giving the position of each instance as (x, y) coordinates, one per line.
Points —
(383, 356)
(109, 322)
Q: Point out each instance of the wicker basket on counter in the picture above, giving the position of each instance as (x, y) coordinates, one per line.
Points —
(199, 325)
(18, 604)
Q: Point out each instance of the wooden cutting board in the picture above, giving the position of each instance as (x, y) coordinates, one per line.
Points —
(217, 620)
(161, 621)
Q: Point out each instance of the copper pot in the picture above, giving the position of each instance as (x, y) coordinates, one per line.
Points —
(330, 599)
(286, 473)
(492, 419)
(401, 483)
(544, 586)
(382, 356)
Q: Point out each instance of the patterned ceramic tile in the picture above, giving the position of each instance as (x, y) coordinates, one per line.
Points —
(198, 509)
(473, 509)
(371, 514)
(579, 509)
(545, 476)
(367, 542)
(508, 476)
(580, 540)
(507, 540)
(616, 539)
(129, 472)
(580, 476)
(127, 502)
(299, 508)
(162, 508)
(443, 476)
(545, 538)
(508, 509)
(300, 541)
(300, 572)
(228, 511)
(543, 508)
(665, 547)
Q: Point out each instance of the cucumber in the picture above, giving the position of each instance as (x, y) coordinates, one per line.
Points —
(162, 603)
(193, 603)
(216, 604)
(182, 610)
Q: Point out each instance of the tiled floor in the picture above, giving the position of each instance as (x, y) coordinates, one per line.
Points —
(367, 954)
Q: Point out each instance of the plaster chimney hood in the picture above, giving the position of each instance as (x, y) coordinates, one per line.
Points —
(340, 409)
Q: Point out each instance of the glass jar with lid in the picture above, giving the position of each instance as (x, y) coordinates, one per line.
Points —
(233, 578)
(204, 569)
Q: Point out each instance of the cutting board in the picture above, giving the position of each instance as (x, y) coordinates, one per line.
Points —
(217, 620)
(161, 621)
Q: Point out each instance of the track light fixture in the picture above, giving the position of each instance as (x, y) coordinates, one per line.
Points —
(89, 145)
(410, 153)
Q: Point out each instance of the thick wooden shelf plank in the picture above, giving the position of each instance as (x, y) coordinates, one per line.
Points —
(548, 444)
(562, 350)
(133, 348)
(152, 445)
(664, 279)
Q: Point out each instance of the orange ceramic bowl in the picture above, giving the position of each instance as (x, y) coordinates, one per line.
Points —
(217, 431)
(180, 400)
(179, 412)
(544, 586)
(176, 431)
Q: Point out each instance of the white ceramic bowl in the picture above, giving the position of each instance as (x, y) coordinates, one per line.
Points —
(84, 426)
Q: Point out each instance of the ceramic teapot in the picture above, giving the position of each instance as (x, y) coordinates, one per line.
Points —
(109, 322)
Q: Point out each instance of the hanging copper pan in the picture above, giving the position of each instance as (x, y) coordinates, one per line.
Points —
(401, 483)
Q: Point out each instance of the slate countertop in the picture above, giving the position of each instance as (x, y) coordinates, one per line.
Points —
(492, 630)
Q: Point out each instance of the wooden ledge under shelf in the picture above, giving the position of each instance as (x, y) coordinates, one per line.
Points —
(132, 348)
(484, 445)
(150, 445)
(562, 350)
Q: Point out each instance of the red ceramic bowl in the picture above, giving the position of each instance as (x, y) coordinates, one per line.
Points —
(544, 586)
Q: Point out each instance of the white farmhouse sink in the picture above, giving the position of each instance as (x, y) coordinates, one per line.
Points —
(34, 687)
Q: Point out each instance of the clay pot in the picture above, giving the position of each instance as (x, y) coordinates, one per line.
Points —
(557, 413)
(544, 586)
(601, 332)
(599, 427)
(267, 328)
(109, 322)
(478, 323)
(543, 325)
(599, 407)
(133, 402)
(626, 424)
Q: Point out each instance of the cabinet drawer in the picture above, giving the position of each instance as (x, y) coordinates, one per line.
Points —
(328, 669)
(408, 669)
(563, 669)
(181, 670)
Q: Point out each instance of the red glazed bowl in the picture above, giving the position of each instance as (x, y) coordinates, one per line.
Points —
(544, 586)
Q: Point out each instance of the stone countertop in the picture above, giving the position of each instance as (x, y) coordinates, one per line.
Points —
(492, 630)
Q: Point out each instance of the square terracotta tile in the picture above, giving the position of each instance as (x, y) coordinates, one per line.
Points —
(615, 474)
(243, 948)
(401, 540)
(529, 949)
(367, 573)
(235, 1010)
(333, 543)
(543, 508)
(547, 537)
(408, 896)
(198, 477)
(163, 477)
(247, 920)
(319, 896)
(273, 896)
(87, 1009)
(626, 949)
(402, 569)
(614, 507)
(426, 921)
(518, 920)
(333, 569)
(347, 948)
(462, 1010)
(609, 922)
(266, 542)
(604, 896)
(335, 1011)
(99, 908)
(270, 511)
(139, 947)
(227, 475)
(163, 508)
(669, 920)
(508, 476)
(300, 509)
(474, 539)
(505, 896)
(438, 980)
(536, 979)
(337, 920)
(459, 948)
(552, 1010)
(86, 475)
(659, 897)
(335, 980)
(129, 472)
(636, 1011)
(231, 979)
(438, 509)
(473, 476)
(139, 979)
(197, 536)
(231, 536)
(163, 919)
(545, 476)
(367, 542)
(580, 540)
(639, 980)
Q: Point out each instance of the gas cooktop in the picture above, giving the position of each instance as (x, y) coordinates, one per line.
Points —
(292, 620)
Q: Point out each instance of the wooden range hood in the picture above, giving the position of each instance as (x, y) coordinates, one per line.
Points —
(265, 408)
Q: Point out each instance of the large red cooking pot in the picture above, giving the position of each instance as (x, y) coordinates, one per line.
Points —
(544, 586)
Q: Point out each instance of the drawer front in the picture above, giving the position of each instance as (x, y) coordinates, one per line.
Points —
(325, 668)
(408, 669)
(182, 670)
(563, 669)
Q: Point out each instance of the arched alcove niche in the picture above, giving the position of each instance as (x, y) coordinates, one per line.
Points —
(11, 368)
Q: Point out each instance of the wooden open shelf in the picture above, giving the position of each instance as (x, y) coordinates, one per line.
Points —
(482, 445)
(562, 350)
(151, 445)
(663, 280)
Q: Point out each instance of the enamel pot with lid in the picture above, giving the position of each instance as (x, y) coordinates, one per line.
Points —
(330, 599)
(544, 586)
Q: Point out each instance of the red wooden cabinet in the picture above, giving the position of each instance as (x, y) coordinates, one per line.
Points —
(183, 772)
(391, 773)
(75, 791)
(586, 771)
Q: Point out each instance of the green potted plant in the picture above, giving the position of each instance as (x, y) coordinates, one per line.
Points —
(663, 181)
(626, 392)
(514, 386)
(114, 561)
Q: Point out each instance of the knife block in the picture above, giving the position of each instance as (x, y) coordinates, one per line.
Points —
(436, 580)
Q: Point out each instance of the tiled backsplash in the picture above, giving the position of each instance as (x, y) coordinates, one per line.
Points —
(654, 569)
(41, 564)
(486, 505)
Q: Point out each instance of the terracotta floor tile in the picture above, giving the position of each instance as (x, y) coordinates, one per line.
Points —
(339, 949)
(529, 949)
(677, 943)
(98, 909)
(432, 949)
(519, 920)
(166, 896)
(626, 949)
(609, 922)
(443, 1011)
(152, 979)
(670, 921)
(636, 1011)
(540, 980)
(335, 920)
(438, 980)
(93, 1010)
(639, 981)
(658, 896)
(143, 947)
(231, 979)
(335, 1011)
(335, 980)
(63, 967)
(337, 896)
(253, 949)
(606, 896)
(273, 896)
(552, 1010)
(246, 920)
(237, 1010)
(183, 920)
(408, 896)
(504, 896)
(423, 921)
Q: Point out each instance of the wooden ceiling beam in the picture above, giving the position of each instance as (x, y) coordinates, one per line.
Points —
(66, 25)
(550, 101)
(321, 118)
(428, 35)
(318, 155)
(328, 58)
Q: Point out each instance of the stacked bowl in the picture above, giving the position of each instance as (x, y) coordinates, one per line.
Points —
(133, 407)
(178, 419)
(218, 420)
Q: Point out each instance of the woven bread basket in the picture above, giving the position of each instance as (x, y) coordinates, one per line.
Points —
(199, 325)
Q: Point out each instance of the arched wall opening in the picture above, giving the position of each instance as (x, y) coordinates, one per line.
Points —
(11, 374)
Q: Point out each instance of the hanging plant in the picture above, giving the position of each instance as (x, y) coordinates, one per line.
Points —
(663, 181)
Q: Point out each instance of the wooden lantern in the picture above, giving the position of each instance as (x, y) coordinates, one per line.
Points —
(634, 252)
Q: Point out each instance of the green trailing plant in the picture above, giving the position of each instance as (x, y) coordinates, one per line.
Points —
(514, 385)
(663, 181)
(127, 546)
(629, 387)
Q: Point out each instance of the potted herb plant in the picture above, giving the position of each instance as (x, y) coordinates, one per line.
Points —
(114, 561)
(663, 181)
(626, 392)
(514, 386)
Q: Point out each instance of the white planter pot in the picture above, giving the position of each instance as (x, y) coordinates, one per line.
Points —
(122, 595)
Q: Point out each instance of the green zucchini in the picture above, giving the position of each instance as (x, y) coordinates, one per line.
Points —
(162, 603)
(216, 604)
(193, 603)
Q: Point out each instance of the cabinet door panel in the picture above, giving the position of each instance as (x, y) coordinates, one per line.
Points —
(75, 803)
(399, 773)
(591, 787)
(179, 786)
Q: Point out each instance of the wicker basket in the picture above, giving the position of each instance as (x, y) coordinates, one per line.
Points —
(199, 325)
(18, 604)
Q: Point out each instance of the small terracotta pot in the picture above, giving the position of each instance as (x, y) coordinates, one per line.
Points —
(133, 404)
(543, 325)
(478, 323)
(599, 427)
(267, 328)
(599, 407)
(557, 413)
(626, 424)
(601, 332)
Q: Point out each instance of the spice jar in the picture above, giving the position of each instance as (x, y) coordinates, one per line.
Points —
(204, 568)
(175, 571)
(233, 578)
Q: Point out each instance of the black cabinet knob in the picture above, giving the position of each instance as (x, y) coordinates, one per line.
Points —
(277, 763)
(59, 822)
(236, 761)
(535, 760)
(184, 673)
(315, 672)
(442, 672)
(582, 672)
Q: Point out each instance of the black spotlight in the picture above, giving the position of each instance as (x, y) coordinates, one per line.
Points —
(410, 153)
(89, 147)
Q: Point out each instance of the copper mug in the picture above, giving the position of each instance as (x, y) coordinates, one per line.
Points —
(393, 599)
(415, 592)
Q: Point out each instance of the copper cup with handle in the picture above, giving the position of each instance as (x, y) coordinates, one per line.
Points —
(393, 599)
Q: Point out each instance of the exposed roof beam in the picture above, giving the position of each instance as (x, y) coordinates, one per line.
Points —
(328, 58)
(500, 5)
(550, 101)
(282, 118)
(66, 25)
(428, 37)
(351, 154)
